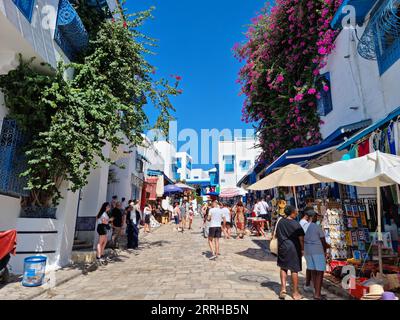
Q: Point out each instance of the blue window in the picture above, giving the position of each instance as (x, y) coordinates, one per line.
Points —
(26, 7)
(179, 162)
(188, 164)
(386, 25)
(325, 102)
(244, 165)
(12, 160)
(229, 163)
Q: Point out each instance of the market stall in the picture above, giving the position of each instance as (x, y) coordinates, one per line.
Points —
(354, 227)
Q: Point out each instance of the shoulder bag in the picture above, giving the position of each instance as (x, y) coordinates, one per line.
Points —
(273, 245)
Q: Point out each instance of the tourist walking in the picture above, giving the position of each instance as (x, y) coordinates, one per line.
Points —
(228, 218)
(183, 215)
(305, 223)
(191, 216)
(118, 221)
(147, 217)
(136, 218)
(176, 214)
(315, 247)
(240, 219)
(216, 218)
(290, 237)
(102, 221)
(129, 212)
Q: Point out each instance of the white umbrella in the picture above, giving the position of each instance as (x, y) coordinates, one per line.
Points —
(372, 170)
(290, 176)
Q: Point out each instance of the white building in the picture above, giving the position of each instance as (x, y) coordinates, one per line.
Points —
(235, 158)
(168, 152)
(199, 174)
(31, 28)
(184, 165)
(363, 88)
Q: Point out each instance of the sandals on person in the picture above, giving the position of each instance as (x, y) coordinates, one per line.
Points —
(299, 298)
(322, 297)
(282, 295)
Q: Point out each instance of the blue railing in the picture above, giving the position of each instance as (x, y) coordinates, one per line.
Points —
(12, 160)
(26, 7)
(70, 33)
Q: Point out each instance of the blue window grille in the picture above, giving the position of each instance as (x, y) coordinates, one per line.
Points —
(381, 38)
(70, 33)
(12, 160)
(229, 163)
(244, 165)
(387, 35)
(325, 103)
(26, 7)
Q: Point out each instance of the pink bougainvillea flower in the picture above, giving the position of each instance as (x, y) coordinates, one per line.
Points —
(299, 97)
(178, 78)
(312, 91)
(326, 88)
(280, 78)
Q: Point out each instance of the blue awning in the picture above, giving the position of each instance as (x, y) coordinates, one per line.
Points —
(301, 155)
(350, 128)
(395, 113)
(156, 173)
(362, 7)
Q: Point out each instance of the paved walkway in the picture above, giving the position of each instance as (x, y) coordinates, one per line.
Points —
(172, 265)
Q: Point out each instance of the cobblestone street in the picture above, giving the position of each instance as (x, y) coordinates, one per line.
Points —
(172, 265)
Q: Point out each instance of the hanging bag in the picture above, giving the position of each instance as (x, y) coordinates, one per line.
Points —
(273, 245)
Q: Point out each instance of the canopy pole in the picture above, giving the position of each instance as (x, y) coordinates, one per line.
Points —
(295, 197)
(378, 203)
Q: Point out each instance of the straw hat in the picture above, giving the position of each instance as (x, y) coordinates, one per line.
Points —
(375, 291)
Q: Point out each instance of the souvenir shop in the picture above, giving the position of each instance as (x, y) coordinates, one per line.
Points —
(350, 215)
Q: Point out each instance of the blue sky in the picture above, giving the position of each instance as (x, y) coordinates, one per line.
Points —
(195, 40)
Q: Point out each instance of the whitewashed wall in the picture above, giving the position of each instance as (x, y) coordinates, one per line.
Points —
(242, 149)
(356, 82)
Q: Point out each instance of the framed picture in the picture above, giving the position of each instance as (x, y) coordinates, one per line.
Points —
(362, 208)
(348, 209)
(355, 211)
(357, 254)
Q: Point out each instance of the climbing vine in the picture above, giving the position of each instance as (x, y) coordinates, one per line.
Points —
(68, 120)
(287, 45)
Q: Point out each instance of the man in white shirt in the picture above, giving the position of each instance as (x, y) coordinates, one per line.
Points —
(216, 218)
(262, 211)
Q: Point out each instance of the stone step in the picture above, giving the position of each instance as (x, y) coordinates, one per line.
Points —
(77, 241)
(87, 256)
(82, 246)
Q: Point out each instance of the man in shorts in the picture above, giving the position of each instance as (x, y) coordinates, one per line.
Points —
(216, 217)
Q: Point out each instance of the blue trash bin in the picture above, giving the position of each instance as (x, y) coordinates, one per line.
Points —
(34, 271)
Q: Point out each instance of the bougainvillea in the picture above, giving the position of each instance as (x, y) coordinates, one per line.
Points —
(287, 45)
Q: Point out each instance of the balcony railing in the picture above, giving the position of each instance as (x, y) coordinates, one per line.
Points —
(12, 160)
(70, 33)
